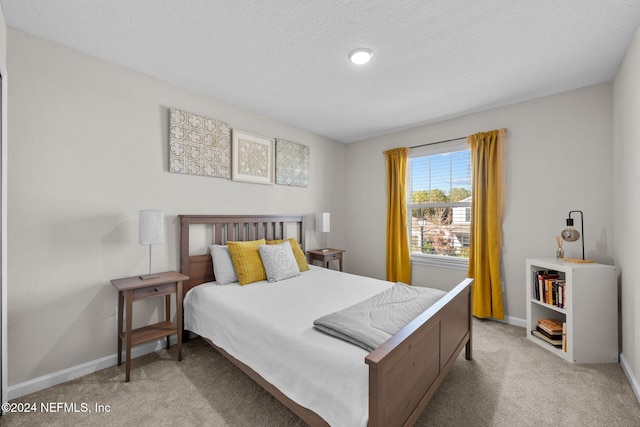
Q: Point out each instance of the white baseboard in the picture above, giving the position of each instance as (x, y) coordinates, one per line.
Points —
(630, 376)
(515, 321)
(55, 378)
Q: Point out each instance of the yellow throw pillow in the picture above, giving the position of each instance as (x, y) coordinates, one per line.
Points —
(300, 257)
(247, 262)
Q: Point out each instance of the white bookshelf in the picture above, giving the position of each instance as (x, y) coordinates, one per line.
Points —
(590, 312)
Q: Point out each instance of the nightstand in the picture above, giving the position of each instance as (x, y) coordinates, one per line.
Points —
(132, 289)
(326, 255)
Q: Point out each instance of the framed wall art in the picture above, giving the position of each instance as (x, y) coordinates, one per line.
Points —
(199, 145)
(292, 163)
(251, 158)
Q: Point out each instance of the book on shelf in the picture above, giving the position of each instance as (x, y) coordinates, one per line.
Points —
(559, 289)
(540, 279)
(554, 342)
(553, 336)
(550, 326)
(549, 287)
(552, 331)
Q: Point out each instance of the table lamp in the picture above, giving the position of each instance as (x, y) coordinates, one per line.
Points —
(323, 223)
(150, 232)
(570, 234)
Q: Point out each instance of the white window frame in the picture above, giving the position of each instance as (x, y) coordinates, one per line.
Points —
(440, 261)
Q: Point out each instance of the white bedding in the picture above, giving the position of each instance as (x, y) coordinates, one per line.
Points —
(269, 327)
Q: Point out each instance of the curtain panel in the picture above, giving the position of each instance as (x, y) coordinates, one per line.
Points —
(398, 260)
(487, 209)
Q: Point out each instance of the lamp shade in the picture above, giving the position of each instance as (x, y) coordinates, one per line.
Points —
(323, 222)
(570, 234)
(150, 227)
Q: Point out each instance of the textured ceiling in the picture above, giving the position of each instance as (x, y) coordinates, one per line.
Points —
(287, 59)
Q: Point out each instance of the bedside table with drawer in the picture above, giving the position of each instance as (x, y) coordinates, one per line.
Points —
(326, 255)
(132, 289)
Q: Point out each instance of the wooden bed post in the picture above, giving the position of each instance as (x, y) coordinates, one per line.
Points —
(184, 245)
(400, 388)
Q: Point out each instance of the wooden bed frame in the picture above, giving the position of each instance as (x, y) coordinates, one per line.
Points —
(404, 372)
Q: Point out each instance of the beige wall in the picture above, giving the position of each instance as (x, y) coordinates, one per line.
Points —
(88, 149)
(627, 203)
(3, 37)
(559, 158)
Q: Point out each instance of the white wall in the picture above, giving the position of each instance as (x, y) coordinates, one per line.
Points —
(88, 149)
(627, 203)
(559, 158)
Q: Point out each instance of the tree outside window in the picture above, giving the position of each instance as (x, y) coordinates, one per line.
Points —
(440, 198)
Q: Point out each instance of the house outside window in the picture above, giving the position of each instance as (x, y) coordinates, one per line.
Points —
(439, 204)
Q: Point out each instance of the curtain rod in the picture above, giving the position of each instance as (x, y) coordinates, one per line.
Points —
(439, 142)
(433, 143)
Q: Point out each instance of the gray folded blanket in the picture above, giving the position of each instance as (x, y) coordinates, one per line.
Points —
(371, 322)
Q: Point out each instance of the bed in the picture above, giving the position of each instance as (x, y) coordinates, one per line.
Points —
(388, 386)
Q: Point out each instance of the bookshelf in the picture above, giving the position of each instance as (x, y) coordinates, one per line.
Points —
(585, 300)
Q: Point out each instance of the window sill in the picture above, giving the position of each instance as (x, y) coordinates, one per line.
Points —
(453, 263)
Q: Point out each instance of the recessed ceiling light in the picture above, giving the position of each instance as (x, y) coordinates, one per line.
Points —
(360, 56)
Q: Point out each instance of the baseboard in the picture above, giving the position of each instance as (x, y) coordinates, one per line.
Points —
(630, 376)
(515, 321)
(55, 378)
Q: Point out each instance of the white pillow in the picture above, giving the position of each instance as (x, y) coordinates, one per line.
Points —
(279, 261)
(223, 268)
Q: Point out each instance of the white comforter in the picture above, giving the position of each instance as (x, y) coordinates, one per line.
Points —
(269, 327)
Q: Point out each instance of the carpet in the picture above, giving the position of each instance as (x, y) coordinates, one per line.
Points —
(509, 382)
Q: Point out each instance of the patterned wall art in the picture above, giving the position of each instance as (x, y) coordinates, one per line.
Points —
(199, 145)
(252, 158)
(292, 163)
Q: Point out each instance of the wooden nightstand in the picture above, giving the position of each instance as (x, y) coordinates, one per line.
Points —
(326, 255)
(132, 289)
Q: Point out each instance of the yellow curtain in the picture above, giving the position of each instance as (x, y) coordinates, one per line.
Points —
(487, 156)
(398, 256)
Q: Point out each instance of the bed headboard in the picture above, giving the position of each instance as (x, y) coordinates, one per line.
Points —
(226, 228)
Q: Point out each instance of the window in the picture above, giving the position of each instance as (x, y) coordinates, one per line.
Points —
(439, 204)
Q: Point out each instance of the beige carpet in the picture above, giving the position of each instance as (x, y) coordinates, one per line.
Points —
(510, 382)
